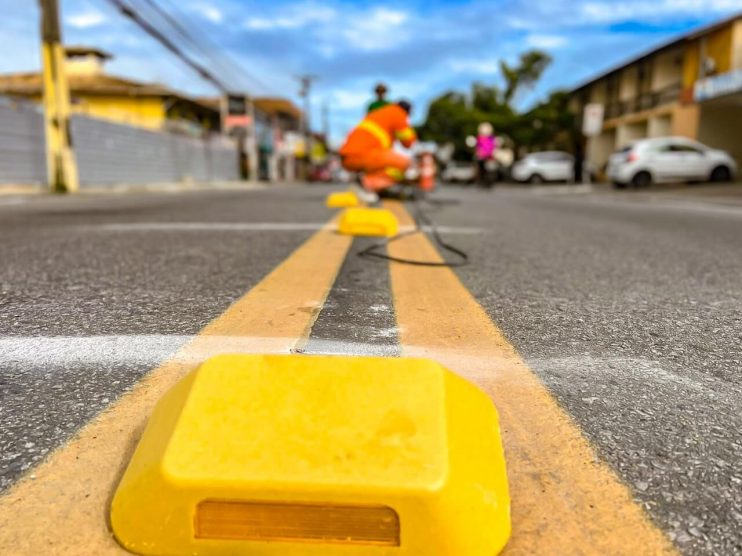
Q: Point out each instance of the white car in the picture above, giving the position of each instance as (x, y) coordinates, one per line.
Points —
(545, 166)
(668, 160)
(459, 172)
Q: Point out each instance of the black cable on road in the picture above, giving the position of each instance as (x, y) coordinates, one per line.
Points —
(421, 219)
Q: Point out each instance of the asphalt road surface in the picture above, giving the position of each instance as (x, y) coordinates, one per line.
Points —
(627, 306)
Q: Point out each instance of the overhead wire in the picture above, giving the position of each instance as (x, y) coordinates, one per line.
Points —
(203, 45)
(128, 11)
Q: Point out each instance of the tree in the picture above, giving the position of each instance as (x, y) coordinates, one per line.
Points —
(454, 115)
(525, 74)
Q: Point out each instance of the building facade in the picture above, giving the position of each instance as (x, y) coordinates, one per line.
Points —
(690, 87)
(100, 95)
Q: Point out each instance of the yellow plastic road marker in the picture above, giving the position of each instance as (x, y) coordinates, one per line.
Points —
(342, 199)
(374, 222)
(564, 499)
(298, 455)
(63, 509)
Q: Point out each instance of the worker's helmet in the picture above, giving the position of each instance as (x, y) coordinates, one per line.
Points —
(380, 89)
(405, 105)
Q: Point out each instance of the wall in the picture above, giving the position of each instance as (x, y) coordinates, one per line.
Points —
(626, 133)
(629, 83)
(22, 154)
(685, 119)
(717, 45)
(146, 112)
(667, 69)
(737, 45)
(598, 92)
(659, 126)
(600, 148)
(110, 153)
(719, 126)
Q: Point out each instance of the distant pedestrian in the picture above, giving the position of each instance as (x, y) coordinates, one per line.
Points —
(381, 101)
(484, 153)
(579, 161)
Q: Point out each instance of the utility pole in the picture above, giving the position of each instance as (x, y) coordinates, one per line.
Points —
(305, 92)
(60, 156)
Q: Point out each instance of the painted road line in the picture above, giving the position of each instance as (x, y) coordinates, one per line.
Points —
(565, 500)
(62, 507)
(244, 227)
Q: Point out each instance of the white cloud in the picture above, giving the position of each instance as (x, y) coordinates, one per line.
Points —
(303, 16)
(354, 100)
(486, 66)
(611, 12)
(546, 42)
(381, 29)
(86, 20)
(210, 12)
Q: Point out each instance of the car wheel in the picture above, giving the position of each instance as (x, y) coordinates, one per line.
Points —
(536, 179)
(721, 174)
(642, 179)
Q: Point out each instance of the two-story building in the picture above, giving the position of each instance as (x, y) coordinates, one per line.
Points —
(691, 86)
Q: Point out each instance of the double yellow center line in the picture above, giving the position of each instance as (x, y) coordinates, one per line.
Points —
(565, 501)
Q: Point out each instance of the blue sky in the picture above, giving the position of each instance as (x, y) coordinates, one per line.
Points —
(420, 48)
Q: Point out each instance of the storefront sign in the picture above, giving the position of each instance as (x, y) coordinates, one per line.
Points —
(719, 85)
(592, 120)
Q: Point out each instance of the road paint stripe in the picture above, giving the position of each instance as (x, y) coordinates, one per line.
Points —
(62, 508)
(565, 500)
(246, 227)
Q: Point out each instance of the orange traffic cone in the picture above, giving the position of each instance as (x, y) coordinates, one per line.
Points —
(427, 172)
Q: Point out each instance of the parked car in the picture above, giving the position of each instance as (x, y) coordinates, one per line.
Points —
(459, 172)
(547, 166)
(667, 160)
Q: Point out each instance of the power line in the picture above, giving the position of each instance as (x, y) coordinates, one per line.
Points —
(201, 45)
(148, 28)
(206, 53)
(210, 44)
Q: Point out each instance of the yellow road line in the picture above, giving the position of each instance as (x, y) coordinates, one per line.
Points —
(64, 509)
(565, 500)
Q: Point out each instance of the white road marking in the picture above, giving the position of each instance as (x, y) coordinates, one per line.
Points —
(71, 351)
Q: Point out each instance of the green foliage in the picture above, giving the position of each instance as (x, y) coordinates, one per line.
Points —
(454, 115)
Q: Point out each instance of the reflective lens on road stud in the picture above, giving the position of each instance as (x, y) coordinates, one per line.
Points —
(297, 455)
(342, 199)
(375, 222)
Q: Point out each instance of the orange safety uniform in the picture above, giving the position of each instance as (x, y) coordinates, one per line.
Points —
(368, 148)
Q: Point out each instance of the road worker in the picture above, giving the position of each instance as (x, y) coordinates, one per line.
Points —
(369, 147)
(381, 101)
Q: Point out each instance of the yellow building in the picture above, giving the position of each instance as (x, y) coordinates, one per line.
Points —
(116, 99)
(689, 87)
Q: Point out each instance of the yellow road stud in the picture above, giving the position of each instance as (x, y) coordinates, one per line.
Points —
(342, 199)
(295, 455)
(375, 222)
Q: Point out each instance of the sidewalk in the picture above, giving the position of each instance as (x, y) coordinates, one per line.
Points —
(724, 193)
(21, 190)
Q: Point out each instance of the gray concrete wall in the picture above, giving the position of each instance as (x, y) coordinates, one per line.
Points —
(109, 153)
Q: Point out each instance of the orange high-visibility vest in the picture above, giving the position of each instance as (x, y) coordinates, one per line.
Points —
(379, 130)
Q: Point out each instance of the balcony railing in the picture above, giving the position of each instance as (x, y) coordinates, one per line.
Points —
(645, 101)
